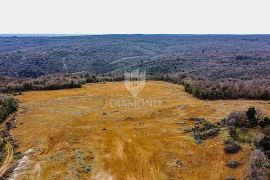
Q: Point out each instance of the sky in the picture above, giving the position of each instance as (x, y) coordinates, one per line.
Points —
(134, 17)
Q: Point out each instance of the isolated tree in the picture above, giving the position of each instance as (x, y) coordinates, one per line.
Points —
(251, 114)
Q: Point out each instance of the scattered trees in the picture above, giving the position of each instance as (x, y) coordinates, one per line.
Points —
(220, 89)
(52, 82)
(7, 106)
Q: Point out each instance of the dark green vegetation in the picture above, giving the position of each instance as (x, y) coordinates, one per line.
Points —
(203, 130)
(210, 66)
(7, 106)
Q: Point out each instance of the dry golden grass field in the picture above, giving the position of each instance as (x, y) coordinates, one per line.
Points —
(83, 134)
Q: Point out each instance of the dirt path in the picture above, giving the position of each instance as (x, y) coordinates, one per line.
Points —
(8, 146)
(92, 132)
(9, 157)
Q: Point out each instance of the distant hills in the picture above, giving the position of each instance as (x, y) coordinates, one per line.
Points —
(210, 56)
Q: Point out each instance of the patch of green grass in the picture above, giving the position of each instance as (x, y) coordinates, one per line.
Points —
(225, 133)
(243, 136)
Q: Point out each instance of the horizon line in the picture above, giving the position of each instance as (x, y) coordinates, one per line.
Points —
(105, 34)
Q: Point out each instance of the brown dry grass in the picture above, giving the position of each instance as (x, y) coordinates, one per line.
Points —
(122, 143)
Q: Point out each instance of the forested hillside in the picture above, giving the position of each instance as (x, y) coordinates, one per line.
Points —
(210, 56)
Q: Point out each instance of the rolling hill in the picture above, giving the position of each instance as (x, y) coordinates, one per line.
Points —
(210, 56)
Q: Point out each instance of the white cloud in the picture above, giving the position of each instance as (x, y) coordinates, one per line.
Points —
(136, 16)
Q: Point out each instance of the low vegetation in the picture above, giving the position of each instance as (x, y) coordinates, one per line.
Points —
(210, 67)
(232, 164)
(259, 165)
(232, 147)
(51, 82)
(7, 106)
(240, 124)
(200, 88)
(225, 88)
(203, 130)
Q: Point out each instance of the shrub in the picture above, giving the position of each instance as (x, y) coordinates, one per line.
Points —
(265, 122)
(232, 147)
(232, 164)
(237, 119)
(197, 137)
(257, 139)
(210, 133)
(258, 165)
(7, 106)
(204, 130)
(206, 125)
(265, 143)
(232, 132)
(266, 131)
(260, 114)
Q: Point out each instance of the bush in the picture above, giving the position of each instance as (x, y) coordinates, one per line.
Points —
(197, 137)
(7, 106)
(265, 143)
(258, 165)
(210, 133)
(232, 147)
(237, 119)
(265, 122)
(204, 130)
(232, 164)
(232, 132)
(249, 118)
(266, 131)
(206, 125)
(257, 139)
